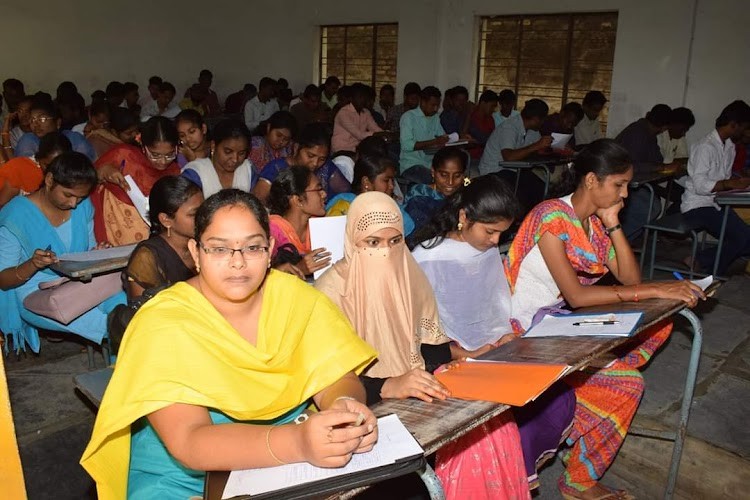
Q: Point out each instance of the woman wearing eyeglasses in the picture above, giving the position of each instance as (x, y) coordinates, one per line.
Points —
(116, 220)
(215, 373)
(296, 195)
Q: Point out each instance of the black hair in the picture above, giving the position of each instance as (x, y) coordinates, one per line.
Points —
(387, 86)
(98, 95)
(99, 108)
(167, 87)
(114, 88)
(450, 153)
(535, 108)
(332, 79)
(128, 87)
(488, 199)
(167, 196)
(282, 119)
(507, 95)
(121, 119)
(683, 116)
(266, 82)
(372, 146)
(659, 115)
(310, 91)
(602, 157)
(72, 169)
(458, 89)
(14, 84)
(250, 87)
(488, 96)
(155, 80)
(360, 89)
(345, 92)
(412, 88)
(594, 97)
(314, 134)
(53, 142)
(190, 116)
(66, 88)
(159, 129)
(44, 104)
(575, 108)
(290, 182)
(231, 128)
(369, 167)
(430, 92)
(229, 198)
(737, 111)
(206, 73)
(283, 82)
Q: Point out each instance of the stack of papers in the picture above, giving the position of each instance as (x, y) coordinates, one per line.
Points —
(395, 443)
(328, 233)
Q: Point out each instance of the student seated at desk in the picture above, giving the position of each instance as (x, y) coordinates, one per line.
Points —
(639, 139)
(228, 166)
(193, 133)
(371, 173)
(411, 101)
(563, 122)
(164, 258)
(261, 107)
(589, 129)
(456, 110)
(672, 142)
(709, 173)
(448, 172)
(387, 297)
(329, 92)
(45, 118)
(481, 123)
(309, 109)
(420, 130)
(353, 122)
(98, 114)
(164, 104)
(121, 129)
(507, 101)
(54, 220)
(458, 253)
(24, 175)
(212, 372)
(117, 221)
(276, 142)
(563, 247)
(310, 151)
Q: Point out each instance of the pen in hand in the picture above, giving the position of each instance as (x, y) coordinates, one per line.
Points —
(682, 278)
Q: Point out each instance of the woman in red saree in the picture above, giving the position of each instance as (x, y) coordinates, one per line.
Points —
(116, 221)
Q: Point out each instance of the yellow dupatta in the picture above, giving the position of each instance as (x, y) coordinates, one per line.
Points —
(179, 349)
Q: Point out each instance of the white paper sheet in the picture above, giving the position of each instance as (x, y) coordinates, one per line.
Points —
(140, 201)
(394, 442)
(559, 141)
(704, 283)
(457, 143)
(328, 233)
(94, 255)
(563, 325)
(452, 137)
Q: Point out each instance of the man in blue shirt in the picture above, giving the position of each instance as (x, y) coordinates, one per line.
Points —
(45, 119)
(421, 132)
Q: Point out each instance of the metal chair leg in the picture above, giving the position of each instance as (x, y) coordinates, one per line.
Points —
(693, 253)
(90, 355)
(653, 255)
(431, 481)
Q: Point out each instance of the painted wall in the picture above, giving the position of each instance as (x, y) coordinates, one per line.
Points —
(242, 41)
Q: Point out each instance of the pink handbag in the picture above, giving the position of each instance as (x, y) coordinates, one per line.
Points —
(64, 300)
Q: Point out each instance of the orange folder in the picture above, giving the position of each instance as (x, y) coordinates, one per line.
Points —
(513, 384)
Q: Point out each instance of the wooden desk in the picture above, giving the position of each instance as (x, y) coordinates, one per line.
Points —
(728, 200)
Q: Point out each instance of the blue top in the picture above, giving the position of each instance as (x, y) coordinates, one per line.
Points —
(154, 473)
(272, 170)
(28, 144)
(422, 202)
(416, 127)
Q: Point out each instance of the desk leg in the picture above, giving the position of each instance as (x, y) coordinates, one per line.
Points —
(518, 180)
(431, 481)
(727, 208)
(547, 180)
(648, 221)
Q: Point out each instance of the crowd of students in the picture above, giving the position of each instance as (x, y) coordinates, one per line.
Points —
(227, 247)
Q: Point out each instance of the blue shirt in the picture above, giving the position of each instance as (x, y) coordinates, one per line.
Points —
(511, 134)
(272, 170)
(28, 144)
(416, 127)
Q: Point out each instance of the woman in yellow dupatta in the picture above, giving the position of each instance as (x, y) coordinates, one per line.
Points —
(240, 346)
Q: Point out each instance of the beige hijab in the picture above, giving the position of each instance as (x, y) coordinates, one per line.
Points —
(383, 291)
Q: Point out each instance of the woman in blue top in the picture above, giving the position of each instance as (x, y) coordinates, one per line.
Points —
(448, 170)
(371, 173)
(34, 229)
(311, 151)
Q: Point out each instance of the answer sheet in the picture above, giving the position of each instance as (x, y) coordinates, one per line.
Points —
(328, 233)
(394, 442)
(565, 325)
(140, 201)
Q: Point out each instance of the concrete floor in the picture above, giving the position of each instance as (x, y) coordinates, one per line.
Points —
(53, 422)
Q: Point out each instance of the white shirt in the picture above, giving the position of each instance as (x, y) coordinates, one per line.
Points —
(710, 162)
(587, 131)
(256, 111)
(152, 109)
(79, 128)
(500, 118)
(210, 183)
(672, 149)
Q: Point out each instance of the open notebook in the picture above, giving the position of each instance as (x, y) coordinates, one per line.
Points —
(396, 453)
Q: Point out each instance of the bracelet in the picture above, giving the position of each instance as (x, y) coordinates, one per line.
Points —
(344, 397)
(612, 229)
(617, 292)
(268, 445)
(19, 276)
(635, 296)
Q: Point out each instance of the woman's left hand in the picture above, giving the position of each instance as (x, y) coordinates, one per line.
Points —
(610, 216)
(102, 245)
(369, 440)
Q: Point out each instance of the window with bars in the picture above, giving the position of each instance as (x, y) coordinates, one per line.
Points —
(556, 57)
(364, 53)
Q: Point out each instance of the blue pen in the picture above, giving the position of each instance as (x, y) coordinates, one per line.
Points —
(49, 247)
(682, 278)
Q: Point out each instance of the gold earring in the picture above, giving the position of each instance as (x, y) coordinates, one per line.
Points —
(169, 231)
(460, 226)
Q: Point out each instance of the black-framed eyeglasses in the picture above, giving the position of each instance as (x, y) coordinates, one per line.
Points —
(249, 252)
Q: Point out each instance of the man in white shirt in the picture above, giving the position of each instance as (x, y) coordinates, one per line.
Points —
(153, 91)
(164, 104)
(710, 172)
(672, 142)
(262, 106)
(507, 100)
(590, 129)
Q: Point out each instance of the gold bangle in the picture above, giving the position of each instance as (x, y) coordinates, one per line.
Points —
(268, 445)
(617, 292)
(19, 276)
